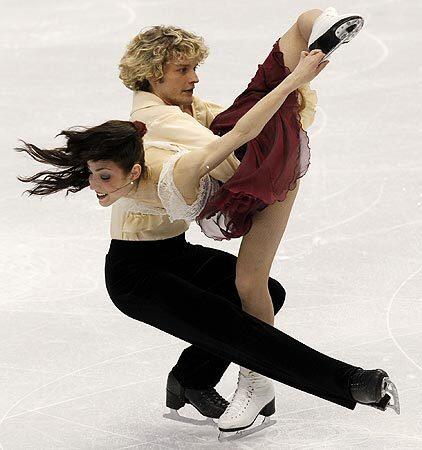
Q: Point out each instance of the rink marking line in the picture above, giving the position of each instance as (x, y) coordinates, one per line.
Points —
(369, 342)
(46, 435)
(69, 313)
(331, 305)
(342, 222)
(384, 230)
(284, 257)
(79, 397)
(412, 275)
(338, 192)
(384, 54)
(5, 416)
(321, 111)
(88, 426)
(81, 38)
(330, 195)
(46, 372)
(131, 11)
(361, 132)
(23, 333)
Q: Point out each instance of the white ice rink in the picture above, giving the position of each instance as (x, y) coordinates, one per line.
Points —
(75, 373)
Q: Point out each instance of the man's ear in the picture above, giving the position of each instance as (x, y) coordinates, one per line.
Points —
(154, 81)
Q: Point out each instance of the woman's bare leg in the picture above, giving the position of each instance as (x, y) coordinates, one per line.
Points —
(296, 37)
(256, 254)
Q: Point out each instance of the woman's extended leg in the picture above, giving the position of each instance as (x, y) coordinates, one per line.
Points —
(256, 254)
(296, 37)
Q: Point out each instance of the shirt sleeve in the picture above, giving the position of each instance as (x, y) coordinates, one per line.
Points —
(170, 124)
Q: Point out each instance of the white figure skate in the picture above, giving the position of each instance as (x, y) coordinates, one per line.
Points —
(254, 395)
(330, 30)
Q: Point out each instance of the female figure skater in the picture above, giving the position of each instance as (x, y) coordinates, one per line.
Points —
(167, 284)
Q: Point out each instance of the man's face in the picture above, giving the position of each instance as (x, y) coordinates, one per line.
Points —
(178, 83)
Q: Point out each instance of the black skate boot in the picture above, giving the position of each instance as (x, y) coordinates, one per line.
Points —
(208, 401)
(374, 388)
(330, 30)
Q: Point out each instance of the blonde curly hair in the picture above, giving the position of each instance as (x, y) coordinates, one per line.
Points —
(149, 51)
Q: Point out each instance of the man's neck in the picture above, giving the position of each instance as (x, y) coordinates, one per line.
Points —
(187, 109)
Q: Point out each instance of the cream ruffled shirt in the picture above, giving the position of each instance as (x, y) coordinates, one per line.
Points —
(169, 125)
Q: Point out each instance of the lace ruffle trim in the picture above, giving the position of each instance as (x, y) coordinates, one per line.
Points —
(171, 198)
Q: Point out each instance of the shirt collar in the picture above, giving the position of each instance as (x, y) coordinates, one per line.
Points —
(143, 99)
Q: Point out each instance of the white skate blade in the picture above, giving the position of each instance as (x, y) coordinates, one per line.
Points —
(234, 435)
(174, 415)
(391, 390)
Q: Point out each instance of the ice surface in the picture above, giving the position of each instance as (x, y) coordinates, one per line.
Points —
(77, 373)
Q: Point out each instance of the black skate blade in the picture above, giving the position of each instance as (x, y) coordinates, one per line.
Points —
(340, 33)
(382, 404)
(390, 397)
(234, 435)
(174, 415)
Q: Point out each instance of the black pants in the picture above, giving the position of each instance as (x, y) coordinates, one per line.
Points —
(189, 292)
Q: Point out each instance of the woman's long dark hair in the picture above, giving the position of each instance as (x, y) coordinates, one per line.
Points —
(116, 140)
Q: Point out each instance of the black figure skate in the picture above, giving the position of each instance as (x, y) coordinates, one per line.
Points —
(374, 388)
(331, 30)
(207, 402)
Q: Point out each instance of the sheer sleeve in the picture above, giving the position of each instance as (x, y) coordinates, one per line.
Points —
(172, 199)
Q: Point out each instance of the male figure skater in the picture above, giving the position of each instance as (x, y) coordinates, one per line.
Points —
(163, 100)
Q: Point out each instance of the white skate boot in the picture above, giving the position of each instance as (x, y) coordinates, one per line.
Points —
(254, 395)
(331, 30)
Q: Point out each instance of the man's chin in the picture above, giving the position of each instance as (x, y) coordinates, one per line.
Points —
(187, 100)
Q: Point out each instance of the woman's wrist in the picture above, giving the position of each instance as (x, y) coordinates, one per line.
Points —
(292, 82)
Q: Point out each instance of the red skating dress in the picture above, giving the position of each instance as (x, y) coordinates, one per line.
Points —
(270, 164)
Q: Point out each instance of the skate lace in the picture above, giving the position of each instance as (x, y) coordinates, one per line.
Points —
(244, 391)
(215, 397)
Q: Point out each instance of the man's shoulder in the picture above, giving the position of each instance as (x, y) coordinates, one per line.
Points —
(148, 108)
(143, 99)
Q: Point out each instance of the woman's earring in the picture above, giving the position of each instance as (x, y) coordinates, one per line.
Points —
(131, 182)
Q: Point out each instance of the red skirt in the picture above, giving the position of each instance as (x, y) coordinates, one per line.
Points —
(270, 164)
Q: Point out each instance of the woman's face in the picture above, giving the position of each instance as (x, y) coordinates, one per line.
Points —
(109, 181)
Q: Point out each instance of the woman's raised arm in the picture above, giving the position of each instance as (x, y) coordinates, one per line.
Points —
(250, 125)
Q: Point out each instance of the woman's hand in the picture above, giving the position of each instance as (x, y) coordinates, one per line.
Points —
(309, 67)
